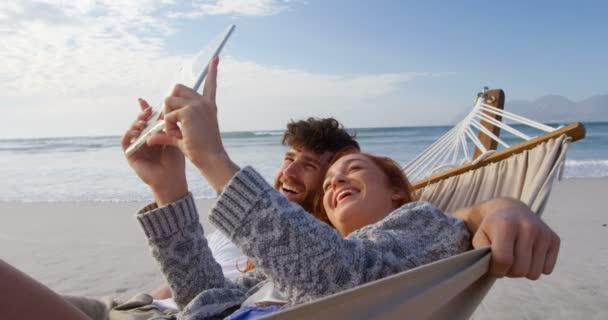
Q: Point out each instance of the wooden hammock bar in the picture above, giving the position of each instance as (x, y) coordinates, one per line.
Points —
(575, 131)
(496, 99)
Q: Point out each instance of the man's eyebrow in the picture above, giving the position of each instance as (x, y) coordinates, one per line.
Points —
(311, 159)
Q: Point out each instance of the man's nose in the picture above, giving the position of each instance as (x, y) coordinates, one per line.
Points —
(291, 169)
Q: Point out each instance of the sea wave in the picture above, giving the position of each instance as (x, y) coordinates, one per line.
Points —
(586, 168)
(250, 134)
(72, 144)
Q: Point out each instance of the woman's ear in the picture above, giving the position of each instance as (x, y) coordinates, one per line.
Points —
(398, 196)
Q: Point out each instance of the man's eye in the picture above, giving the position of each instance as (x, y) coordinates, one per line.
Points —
(310, 166)
(288, 160)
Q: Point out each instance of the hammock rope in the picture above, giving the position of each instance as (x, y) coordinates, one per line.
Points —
(454, 147)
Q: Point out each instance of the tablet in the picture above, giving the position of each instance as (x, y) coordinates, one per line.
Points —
(196, 72)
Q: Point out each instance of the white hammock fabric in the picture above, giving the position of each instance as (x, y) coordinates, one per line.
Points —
(451, 288)
(453, 148)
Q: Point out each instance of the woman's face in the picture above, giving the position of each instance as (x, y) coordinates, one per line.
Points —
(356, 193)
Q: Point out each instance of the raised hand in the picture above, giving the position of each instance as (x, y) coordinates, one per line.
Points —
(160, 167)
(191, 125)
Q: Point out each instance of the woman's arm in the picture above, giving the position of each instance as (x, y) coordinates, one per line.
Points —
(307, 259)
(178, 244)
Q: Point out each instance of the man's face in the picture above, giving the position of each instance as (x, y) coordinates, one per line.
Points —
(301, 175)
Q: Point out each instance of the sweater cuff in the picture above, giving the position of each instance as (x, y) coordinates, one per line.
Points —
(241, 193)
(167, 220)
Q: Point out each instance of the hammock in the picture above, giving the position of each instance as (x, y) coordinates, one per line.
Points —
(452, 288)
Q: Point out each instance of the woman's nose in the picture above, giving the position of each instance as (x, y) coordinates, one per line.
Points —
(338, 179)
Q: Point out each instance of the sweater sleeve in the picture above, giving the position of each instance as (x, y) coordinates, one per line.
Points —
(178, 244)
(308, 259)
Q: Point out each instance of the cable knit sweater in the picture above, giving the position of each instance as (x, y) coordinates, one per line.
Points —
(305, 258)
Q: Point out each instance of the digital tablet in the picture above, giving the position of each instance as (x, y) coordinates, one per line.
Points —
(196, 72)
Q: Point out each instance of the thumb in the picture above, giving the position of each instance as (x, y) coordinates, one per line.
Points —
(480, 240)
(162, 138)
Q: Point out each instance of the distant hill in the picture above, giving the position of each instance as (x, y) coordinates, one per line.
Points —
(556, 108)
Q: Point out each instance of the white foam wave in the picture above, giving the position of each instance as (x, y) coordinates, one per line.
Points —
(586, 168)
(267, 133)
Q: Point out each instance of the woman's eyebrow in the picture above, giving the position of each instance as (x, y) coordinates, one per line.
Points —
(330, 174)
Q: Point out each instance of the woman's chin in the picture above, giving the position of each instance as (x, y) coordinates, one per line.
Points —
(346, 212)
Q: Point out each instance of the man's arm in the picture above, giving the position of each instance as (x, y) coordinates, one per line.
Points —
(522, 244)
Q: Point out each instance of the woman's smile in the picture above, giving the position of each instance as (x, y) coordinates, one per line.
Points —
(342, 194)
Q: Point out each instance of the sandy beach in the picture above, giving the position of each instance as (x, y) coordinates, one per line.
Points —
(97, 249)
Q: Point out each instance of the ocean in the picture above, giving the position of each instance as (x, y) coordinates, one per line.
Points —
(94, 168)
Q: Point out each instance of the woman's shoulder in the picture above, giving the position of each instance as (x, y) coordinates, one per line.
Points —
(417, 209)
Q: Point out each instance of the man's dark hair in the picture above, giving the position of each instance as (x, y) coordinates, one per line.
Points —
(319, 135)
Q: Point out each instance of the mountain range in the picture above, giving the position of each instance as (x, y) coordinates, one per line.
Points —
(556, 108)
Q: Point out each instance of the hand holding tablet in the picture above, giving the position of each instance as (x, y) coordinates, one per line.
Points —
(200, 67)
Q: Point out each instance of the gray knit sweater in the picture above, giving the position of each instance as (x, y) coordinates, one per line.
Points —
(305, 258)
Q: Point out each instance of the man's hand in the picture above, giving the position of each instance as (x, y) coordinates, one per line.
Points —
(160, 167)
(522, 244)
(191, 125)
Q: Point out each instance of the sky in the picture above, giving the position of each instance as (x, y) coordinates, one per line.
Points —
(76, 68)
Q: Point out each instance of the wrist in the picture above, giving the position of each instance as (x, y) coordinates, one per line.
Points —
(167, 193)
(218, 169)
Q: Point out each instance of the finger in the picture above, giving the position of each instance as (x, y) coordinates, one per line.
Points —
(128, 137)
(172, 106)
(175, 103)
(139, 125)
(211, 82)
(171, 120)
(145, 115)
(162, 138)
(539, 255)
(480, 240)
(523, 251)
(143, 104)
(180, 90)
(552, 254)
(502, 253)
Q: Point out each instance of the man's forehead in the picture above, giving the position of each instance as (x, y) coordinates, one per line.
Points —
(308, 154)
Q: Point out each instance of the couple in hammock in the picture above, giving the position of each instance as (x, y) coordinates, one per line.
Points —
(337, 218)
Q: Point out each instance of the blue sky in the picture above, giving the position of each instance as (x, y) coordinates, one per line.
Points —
(368, 63)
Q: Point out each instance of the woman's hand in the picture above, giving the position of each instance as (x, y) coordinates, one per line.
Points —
(160, 167)
(198, 133)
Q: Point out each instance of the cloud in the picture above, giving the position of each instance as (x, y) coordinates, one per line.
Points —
(233, 7)
(88, 62)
